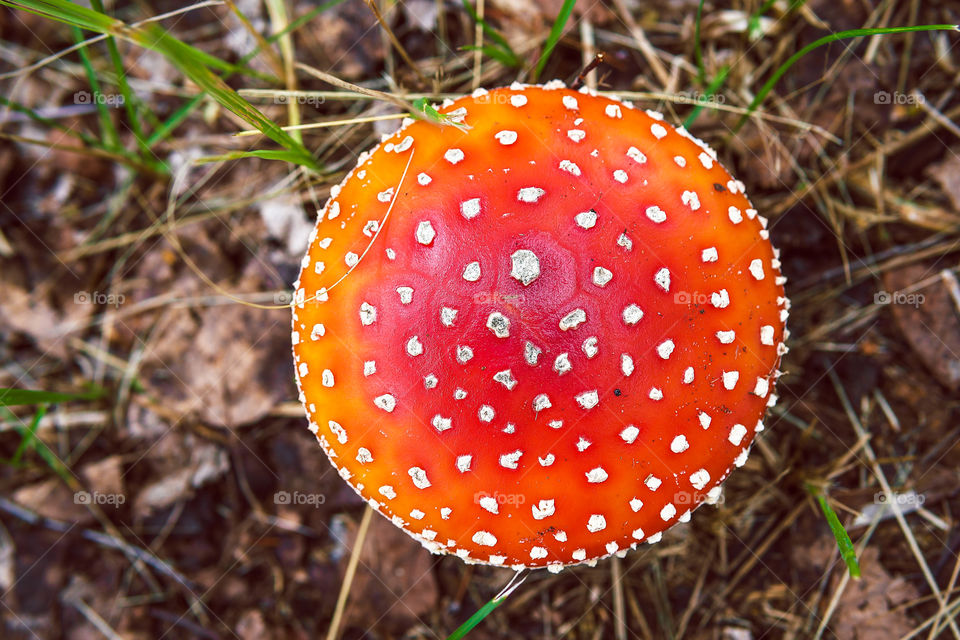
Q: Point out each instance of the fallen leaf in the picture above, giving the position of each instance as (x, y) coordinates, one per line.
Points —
(867, 609)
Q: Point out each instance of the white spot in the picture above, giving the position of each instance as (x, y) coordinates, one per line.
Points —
(625, 242)
(709, 254)
(385, 196)
(351, 259)
(656, 214)
(570, 167)
(629, 434)
(518, 99)
(583, 444)
(364, 456)
(470, 209)
(490, 504)
(699, 479)
(326, 377)
(620, 176)
(679, 444)
(547, 461)
(303, 369)
(763, 386)
(419, 477)
(484, 538)
(445, 512)
(416, 514)
(368, 314)
(597, 475)
(463, 463)
(726, 337)
(596, 523)
(737, 432)
(601, 276)
(423, 179)
(440, 423)
(485, 413)
(414, 347)
(656, 394)
(704, 420)
(636, 155)
(506, 137)
(586, 219)
(665, 348)
(653, 482)
(691, 199)
(730, 379)
(613, 111)
(543, 509)
(406, 294)
(668, 512)
(569, 102)
(736, 217)
(756, 269)
(537, 553)
(530, 194)
(655, 538)
(387, 492)
(589, 346)
(588, 399)
(579, 554)
(658, 131)
(632, 314)
(386, 402)
(720, 299)
(453, 156)
(525, 266)
(510, 460)
(688, 375)
(766, 335)
(626, 364)
(471, 272)
(447, 316)
(541, 402)
(531, 353)
(573, 319)
(317, 332)
(425, 233)
(369, 367)
(662, 278)
(562, 363)
(499, 324)
(680, 160)
(505, 378)
(577, 135)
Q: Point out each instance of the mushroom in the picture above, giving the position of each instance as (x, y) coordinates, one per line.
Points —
(554, 331)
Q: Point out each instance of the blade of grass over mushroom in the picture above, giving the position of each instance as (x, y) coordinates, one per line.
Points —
(844, 544)
(488, 608)
(555, 32)
(840, 35)
(505, 53)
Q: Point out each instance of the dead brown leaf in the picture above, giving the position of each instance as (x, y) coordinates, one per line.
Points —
(866, 608)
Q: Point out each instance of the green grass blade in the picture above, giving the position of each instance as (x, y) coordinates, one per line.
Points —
(711, 89)
(555, 32)
(263, 154)
(128, 97)
(486, 609)
(847, 552)
(840, 35)
(53, 124)
(27, 439)
(111, 138)
(492, 51)
(494, 35)
(22, 397)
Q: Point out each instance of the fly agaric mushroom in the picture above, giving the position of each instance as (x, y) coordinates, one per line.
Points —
(555, 329)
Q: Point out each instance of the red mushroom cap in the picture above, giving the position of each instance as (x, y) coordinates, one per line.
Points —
(554, 331)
